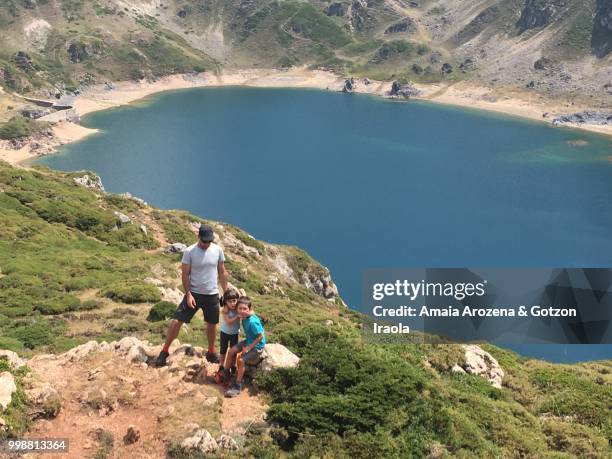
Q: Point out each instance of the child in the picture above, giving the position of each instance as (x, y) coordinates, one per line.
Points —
(230, 328)
(251, 348)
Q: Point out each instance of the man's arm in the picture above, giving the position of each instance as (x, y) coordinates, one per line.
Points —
(222, 275)
(185, 274)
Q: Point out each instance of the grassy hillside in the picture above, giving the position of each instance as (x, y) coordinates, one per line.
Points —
(71, 272)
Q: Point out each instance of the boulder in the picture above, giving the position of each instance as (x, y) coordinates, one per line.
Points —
(123, 219)
(137, 354)
(90, 181)
(227, 442)
(7, 388)
(276, 355)
(349, 85)
(200, 440)
(177, 247)
(14, 361)
(43, 399)
(481, 363)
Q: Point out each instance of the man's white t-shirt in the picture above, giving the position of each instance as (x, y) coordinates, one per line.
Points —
(204, 275)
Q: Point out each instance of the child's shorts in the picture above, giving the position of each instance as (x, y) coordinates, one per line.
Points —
(253, 357)
(226, 340)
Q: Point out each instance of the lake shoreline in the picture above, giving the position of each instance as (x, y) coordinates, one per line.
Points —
(102, 97)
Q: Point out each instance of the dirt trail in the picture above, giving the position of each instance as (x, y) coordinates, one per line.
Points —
(103, 394)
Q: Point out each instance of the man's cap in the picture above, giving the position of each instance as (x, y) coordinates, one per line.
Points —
(206, 233)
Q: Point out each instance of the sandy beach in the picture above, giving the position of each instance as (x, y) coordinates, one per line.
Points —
(103, 97)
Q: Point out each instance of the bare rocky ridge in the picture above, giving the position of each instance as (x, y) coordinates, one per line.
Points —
(110, 388)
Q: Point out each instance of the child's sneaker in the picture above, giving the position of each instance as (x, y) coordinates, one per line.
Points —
(161, 359)
(212, 357)
(219, 376)
(234, 391)
(232, 370)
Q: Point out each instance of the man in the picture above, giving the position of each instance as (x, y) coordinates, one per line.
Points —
(202, 268)
(251, 348)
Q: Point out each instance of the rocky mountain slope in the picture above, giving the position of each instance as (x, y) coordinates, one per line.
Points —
(88, 280)
(553, 47)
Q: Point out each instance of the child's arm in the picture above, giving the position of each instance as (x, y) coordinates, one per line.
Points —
(254, 343)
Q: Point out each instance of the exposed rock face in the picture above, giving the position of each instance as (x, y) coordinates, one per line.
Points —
(542, 63)
(92, 181)
(481, 363)
(7, 388)
(478, 24)
(23, 61)
(446, 68)
(538, 13)
(321, 284)
(80, 52)
(14, 361)
(335, 9)
(601, 40)
(586, 117)
(403, 90)
(406, 25)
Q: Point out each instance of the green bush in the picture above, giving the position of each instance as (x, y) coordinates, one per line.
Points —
(16, 127)
(58, 305)
(352, 394)
(161, 311)
(132, 292)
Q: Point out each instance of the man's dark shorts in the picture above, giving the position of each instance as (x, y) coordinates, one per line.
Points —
(251, 357)
(209, 304)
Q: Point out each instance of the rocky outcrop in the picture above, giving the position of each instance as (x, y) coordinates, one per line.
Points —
(43, 399)
(123, 219)
(81, 51)
(538, 13)
(406, 25)
(14, 361)
(349, 85)
(601, 39)
(585, 117)
(481, 363)
(335, 9)
(200, 440)
(320, 283)
(405, 91)
(92, 182)
(7, 389)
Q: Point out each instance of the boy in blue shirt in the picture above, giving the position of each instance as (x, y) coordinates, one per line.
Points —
(251, 348)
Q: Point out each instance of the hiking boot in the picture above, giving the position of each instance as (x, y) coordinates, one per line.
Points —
(212, 357)
(161, 359)
(234, 391)
(232, 371)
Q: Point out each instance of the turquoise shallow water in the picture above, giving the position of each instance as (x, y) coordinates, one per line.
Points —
(362, 182)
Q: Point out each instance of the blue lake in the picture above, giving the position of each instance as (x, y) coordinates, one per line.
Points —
(362, 182)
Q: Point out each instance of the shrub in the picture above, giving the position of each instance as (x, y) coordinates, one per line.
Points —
(161, 311)
(132, 292)
(16, 127)
(58, 305)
